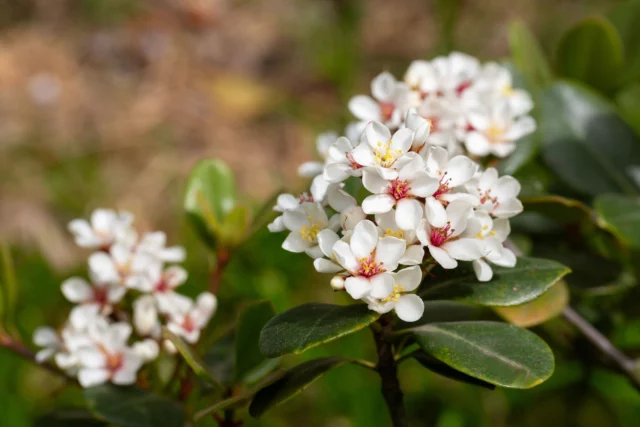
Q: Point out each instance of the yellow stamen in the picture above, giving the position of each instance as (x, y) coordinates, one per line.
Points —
(397, 292)
(389, 232)
(507, 90)
(310, 233)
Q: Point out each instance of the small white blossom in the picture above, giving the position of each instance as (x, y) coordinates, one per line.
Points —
(409, 307)
(380, 151)
(187, 322)
(445, 243)
(369, 260)
(497, 195)
(388, 102)
(105, 227)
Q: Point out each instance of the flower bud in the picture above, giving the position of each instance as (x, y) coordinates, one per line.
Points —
(337, 283)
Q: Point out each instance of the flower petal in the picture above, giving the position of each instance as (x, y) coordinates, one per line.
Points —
(410, 308)
(344, 255)
(409, 212)
(442, 257)
(436, 213)
(463, 249)
(323, 265)
(373, 182)
(77, 290)
(483, 270)
(413, 255)
(378, 204)
(295, 243)
(364, 239)
(409, 278)
(364, 108)
(92, 377)
(381, 285)
(357, 287)
(389, 251)
(460, 169)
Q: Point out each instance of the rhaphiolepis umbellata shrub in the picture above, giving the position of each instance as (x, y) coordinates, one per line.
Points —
(409, 213)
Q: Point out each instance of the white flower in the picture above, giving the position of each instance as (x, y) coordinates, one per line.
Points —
(455, 72)
(452, 174)
(106, 226)
(323, 142)
(162, 284)
(154, 245)
(49, 339)
(388, 106)
(369, 260)
(326, 240)
(102, 294)
(380, 151)
(445, 243)
(494, 82)
(498, 196)
(145, 316)
(346, 205)
(147, 350)
(408, 307)
(490, 235)
(286, 202)
(304, 224)
(387, 225)
(121, 265)
(187, 322)
(109, 358)
(412, 182)
(496, 129)
(340, 161)
(421, 128)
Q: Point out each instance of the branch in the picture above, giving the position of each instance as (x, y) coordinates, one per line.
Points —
(20, 350)
(624, 363)
(222, 260)
(388, 372)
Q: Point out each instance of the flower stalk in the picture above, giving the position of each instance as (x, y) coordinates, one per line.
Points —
(387, 369)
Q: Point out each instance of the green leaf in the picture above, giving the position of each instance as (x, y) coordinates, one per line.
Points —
(558, 208)
(133, 407)
(220, 359)
(448, 311)
(209, 198)
(509, 286)
(69, 418)
(495, 352)
(291, 383)
(192, 358)
(547, 306)
(586, 143)
(8, 290)
(250, 323)
(441, 368)
(528, 55)
(628, 101)
(591, 52)
(625, 18)
(309, 325)
(235, 226)
(621, 216)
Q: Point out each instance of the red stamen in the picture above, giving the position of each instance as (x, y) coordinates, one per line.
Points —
(369, 267)
(463, 86)
(354, 164)
(399, 189)
(440, 236)
(386, 110)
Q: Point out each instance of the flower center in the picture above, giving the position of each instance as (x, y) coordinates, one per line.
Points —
(443, 188)
(390, 233)
(385, 155)
(507, 90)
(310, 233)
(463, 86)
(441, 235)
(305, 197)
(397, 292)
(399, 189)
(113, 361)
(100, 296)
(483, 232)
(188, 324)
(369, 267)
(162, 286)
(495, 133)
(386, 110)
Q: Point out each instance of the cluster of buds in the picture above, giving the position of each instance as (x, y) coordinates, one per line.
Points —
(130, 296)
(427, 201)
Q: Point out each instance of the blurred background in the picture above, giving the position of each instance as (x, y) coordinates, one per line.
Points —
(109, 103)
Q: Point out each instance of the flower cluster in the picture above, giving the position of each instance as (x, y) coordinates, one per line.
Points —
(129, 292)
(426, 202)
(467, 104)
